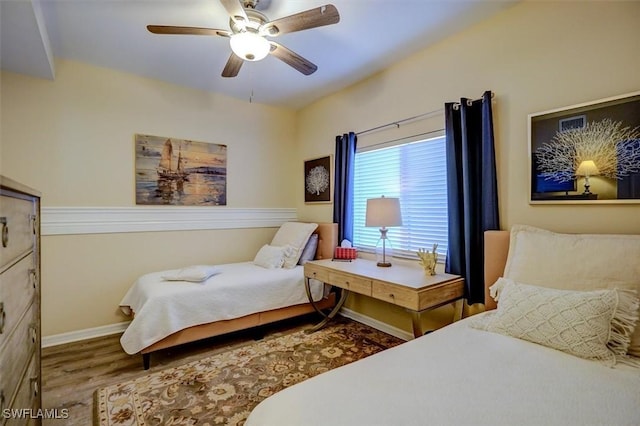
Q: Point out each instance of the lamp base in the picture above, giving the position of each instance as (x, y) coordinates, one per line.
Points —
(384, 251)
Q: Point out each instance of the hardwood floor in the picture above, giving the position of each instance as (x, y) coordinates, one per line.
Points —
(72, 372)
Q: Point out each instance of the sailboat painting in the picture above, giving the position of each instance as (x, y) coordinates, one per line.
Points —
(180, 172)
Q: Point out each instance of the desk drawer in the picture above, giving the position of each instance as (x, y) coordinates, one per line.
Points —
(397, 295)
(316, 272)
(351, 283)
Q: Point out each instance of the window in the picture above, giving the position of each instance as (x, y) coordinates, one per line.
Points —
(415, 172)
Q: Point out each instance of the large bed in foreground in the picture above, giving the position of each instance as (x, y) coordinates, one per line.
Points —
(583, 368)
(174, 307)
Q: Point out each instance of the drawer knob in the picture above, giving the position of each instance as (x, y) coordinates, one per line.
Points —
(391, 295)
(3, 315)
(5, 231)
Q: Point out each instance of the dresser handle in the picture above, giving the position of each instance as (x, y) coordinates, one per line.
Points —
(5, 231)
(33, 274)
(33, 330)
(34, 221)
(3, 315)
(36, 389)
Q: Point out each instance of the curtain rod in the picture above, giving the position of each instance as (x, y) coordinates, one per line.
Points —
(415, 117)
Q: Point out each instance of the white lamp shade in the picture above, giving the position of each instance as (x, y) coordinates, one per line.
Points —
(383, 211)
(587, 168)
(250, 46)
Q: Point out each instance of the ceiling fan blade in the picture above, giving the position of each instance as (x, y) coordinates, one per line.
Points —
(312, 18)
(293, 59)
(232, 68)
(235, 9)
(169, 29)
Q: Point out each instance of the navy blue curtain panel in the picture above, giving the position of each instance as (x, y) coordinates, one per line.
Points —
(343, 187)
(472, 189)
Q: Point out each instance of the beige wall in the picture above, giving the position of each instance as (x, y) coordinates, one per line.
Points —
(73, 140)
(535, 56)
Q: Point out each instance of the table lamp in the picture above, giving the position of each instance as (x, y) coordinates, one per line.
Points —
(383, 212)
(587, 168)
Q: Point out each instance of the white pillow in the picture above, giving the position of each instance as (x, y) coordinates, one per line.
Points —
(594, 325)
(271, 257)
(309, 250)
(294, 234)
(195, 273)
(575, 262)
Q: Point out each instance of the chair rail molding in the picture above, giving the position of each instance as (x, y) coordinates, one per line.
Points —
(105, 220)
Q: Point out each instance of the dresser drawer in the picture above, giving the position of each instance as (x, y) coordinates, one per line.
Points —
(16, 352)
(316, 272)
(17, 289)
(28, 395)
(351, 282)
(395, 294)
(17, 227)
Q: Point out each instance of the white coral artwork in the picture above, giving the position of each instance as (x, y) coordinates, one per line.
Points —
(613, 148)
(317, 180)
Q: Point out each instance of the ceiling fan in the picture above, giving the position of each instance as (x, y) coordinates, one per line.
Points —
(250, 29)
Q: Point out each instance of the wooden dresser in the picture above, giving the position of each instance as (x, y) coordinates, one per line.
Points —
(20, 381)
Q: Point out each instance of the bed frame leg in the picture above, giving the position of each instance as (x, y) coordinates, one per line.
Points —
(146, 360)
(258, 334)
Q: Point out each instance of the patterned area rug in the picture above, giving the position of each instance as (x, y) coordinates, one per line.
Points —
(224, 388)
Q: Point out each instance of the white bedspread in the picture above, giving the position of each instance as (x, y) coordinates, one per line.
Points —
(461, 376)
(164, 307)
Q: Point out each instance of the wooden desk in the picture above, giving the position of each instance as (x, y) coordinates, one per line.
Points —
(403, 285)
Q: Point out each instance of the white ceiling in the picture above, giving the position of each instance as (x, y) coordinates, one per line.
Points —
(371, 36)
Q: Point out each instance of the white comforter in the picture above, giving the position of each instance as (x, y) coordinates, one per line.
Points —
(461, 376)
(164, 307)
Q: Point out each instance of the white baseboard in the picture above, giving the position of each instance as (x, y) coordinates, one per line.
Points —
(88, 333)
(378, 325)
(107, 330)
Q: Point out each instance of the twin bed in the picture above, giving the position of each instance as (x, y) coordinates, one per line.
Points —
(174, 307)
(560, 349)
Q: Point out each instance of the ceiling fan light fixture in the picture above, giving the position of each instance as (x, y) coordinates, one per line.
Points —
(250, 46)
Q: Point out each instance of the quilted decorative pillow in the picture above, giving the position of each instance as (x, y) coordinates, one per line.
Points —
(582, 262)
(195, 273)
(271, 257)
(296, 235)
(595, 325)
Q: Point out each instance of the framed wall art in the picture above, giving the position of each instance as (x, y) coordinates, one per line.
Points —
(180, 172)
(317, 180)
(586, 153)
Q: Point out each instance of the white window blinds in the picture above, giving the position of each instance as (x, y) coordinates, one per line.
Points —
(415, 173)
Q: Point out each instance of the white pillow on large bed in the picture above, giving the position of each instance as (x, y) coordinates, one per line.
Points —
(583, 262)
(296, 235)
